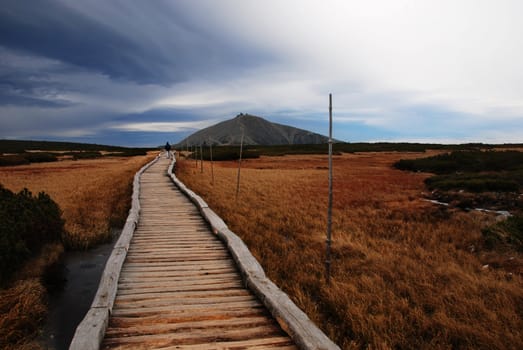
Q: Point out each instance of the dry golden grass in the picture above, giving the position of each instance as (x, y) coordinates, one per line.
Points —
(405, 273)
(93, 194)
(23, 305)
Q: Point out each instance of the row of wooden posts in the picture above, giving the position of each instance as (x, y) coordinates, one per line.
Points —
(194, 151)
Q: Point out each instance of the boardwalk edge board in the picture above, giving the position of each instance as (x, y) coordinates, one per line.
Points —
(90, 332)
(291, 318)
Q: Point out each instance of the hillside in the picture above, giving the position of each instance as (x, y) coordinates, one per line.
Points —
(21, 146)
(257, 131)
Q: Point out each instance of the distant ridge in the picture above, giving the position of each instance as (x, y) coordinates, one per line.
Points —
(20, 146)
(257, 131)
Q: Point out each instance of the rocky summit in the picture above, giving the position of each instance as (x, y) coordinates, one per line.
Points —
(255, 131)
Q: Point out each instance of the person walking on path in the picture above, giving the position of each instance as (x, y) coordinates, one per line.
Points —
(168, 150)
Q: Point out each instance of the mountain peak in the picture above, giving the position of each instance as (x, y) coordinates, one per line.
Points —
(255, 131)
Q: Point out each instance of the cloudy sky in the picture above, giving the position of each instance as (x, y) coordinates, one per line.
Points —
(143, 72)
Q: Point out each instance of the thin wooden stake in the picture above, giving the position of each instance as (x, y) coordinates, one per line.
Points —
(329, 212)
(239, 167)
(212, 168)
(201, 158)
(195, 155)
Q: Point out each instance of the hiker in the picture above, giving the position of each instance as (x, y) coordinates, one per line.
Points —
(167, 150)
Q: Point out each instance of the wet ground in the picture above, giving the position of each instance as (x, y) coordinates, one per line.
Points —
(69, 302)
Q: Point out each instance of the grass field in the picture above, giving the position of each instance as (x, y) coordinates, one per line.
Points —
(406, 274)
(95, 195)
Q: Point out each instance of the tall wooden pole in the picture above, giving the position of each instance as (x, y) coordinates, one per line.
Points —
(212, 168)
(201, 158)
(195, 155)
(329, 212)
(239, 167)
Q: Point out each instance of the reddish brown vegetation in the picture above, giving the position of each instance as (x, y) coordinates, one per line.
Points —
(94, 195)
(406, 274)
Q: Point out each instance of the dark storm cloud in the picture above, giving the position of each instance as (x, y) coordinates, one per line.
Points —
(145, 42)
(52, 30)
(99, 69)
(30, 88)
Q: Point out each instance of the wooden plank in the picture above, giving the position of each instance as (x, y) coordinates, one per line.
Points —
(183, 295)
(182, 267)
(187, 317)
(137, 329)
(163, 301)
(184, 309)
(176, 277)
(197, 336)
(179, 288)
(167, 283)
(177, 258)
(204, 265)
(184, 249)
(252, 344)
(90, 332)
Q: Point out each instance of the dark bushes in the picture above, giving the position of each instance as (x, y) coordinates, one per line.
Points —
(85, 154)
(473, 183)
(26, 224)
(15, 159)
(508, 232)
(472, 171)
(26, 158)
(464, 161)
(40, 157)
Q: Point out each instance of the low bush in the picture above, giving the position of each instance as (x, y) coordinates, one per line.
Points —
(129, 152)
(464, 161)
(14, 159)
(505, 233)
(26, 158)
(473, 183)
(40, 157)
(85, 154)
(27, 223)
(472, 171)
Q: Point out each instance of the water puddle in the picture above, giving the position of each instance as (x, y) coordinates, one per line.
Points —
(497, 212)
(69, 303)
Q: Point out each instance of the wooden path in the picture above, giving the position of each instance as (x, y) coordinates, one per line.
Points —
(179, 288)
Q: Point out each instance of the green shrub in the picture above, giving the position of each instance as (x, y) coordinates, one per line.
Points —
(474, 183)
(508, 232)
(129, 152)
(472, 171)
(84, 154)
(26, 224)
(10, 160)
(465, 161)
(40, 157)
(26, 158)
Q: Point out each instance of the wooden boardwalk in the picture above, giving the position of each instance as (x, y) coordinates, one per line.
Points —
(179, 288)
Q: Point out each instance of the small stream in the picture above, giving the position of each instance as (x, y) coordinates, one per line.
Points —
(69, 303)
(504, 213)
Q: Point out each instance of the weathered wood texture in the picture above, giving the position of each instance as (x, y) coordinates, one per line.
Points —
(90, 331)
(179, 287)
(294, 321)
